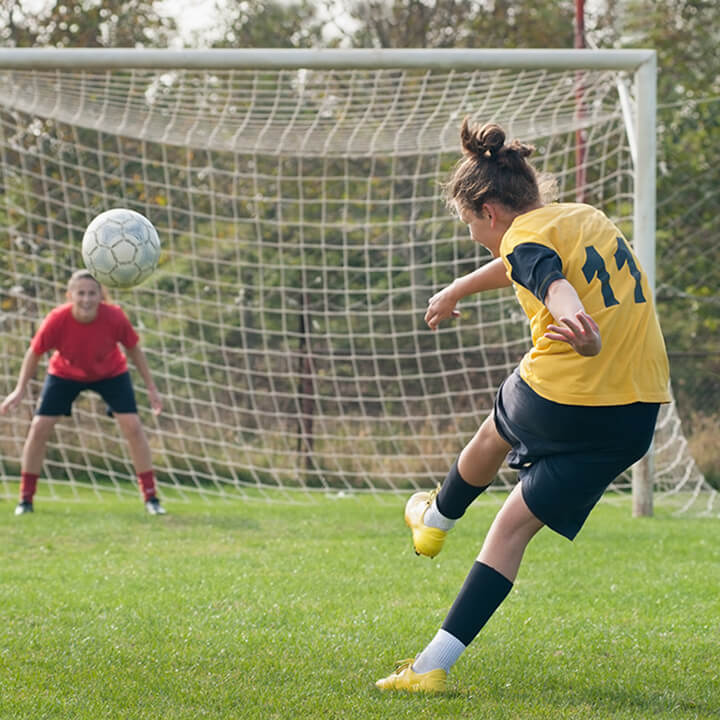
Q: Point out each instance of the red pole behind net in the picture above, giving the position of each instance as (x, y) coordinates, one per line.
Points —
(580, 174)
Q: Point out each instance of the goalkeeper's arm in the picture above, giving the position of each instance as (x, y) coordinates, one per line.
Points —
(27, 371)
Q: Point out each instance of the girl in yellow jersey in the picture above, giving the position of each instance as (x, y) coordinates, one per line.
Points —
(580, 408)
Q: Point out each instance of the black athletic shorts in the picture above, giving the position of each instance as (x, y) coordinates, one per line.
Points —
(567, 455)
(58, 394)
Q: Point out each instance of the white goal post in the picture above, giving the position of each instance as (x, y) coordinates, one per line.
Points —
(296, 196)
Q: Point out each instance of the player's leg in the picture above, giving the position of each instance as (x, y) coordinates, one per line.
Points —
(56, 399)
(486, 586)
(33, 457)
(118, 393)
(132, 430)
(41, 429)
(431, 514)
(511, 531)
(141, 457)
(558, 488)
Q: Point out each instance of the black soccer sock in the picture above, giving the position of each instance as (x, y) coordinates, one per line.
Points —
(456, 495)
(482, 593)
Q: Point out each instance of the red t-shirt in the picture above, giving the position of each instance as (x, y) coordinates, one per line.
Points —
(85, 351)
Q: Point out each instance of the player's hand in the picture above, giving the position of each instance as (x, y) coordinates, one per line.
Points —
(155, 401)
(580, 332)
(440, 307)
(11, 401)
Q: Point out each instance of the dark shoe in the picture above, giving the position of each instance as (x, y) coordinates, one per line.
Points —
(154, 507)
(24, 506)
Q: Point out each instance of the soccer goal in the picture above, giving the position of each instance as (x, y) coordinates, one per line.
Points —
(296, 194)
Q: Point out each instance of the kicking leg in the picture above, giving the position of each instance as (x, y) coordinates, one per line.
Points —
(475, 469)
(431, 515)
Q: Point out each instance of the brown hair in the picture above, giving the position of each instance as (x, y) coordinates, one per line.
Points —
(491, 170)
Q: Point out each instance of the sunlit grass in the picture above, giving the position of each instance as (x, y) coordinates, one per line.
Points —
(232, 610)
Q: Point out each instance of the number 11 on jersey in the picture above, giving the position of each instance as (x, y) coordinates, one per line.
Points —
(595, 267)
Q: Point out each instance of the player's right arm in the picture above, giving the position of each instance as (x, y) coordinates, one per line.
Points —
(441, 305)
(27, 371)
(572, 324)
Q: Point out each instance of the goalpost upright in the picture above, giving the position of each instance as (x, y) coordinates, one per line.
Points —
(639, 118)
(644, 219)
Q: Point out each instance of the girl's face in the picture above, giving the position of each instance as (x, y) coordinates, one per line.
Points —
(85, 296)
(488, 228)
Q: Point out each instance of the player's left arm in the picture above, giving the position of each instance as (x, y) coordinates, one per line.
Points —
(140, 362)
(572, 324)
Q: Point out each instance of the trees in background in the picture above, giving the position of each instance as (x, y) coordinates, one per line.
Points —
(271, 24)
(73, 23)
(461, 23)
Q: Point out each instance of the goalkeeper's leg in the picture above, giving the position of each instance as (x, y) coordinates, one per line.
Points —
(141, 455)
(33, 457)
(430, 515)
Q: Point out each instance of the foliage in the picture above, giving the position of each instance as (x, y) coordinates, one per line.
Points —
(270, 24)
(461, 23)
(83, 24)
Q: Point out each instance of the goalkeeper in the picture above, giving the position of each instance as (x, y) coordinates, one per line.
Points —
(84, 333)
(580, 408)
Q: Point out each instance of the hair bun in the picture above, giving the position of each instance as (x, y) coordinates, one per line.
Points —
(484, 141)
(491, 137)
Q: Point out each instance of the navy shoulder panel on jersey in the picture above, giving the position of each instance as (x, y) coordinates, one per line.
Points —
(535, 266)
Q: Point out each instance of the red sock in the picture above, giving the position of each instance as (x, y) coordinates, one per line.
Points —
(28, 485)
(147, 484)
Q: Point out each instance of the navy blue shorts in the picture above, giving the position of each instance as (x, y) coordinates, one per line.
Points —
(58, 394)
(567, 455)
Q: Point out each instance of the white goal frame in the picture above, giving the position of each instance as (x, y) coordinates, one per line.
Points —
(640, 64)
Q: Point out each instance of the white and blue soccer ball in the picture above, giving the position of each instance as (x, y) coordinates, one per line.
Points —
(121, 248)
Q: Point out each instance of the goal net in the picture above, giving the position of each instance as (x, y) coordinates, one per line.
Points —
(303, 232)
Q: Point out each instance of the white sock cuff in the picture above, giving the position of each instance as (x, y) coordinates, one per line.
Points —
(442, 652)
(435, 519)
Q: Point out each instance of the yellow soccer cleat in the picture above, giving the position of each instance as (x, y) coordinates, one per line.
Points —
(405, 678)
(426, 540)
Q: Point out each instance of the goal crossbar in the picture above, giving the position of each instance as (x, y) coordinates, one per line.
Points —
(279, 59)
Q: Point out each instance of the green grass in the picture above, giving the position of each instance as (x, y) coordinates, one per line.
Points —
(232, 610)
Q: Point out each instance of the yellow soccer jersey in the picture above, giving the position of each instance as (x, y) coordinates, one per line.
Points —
(579, 243)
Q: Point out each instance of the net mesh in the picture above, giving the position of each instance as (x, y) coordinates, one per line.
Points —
(302, 232)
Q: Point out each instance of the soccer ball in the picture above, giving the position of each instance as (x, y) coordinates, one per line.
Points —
(120, 248)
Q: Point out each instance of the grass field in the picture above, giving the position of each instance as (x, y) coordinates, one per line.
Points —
(249, 610)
